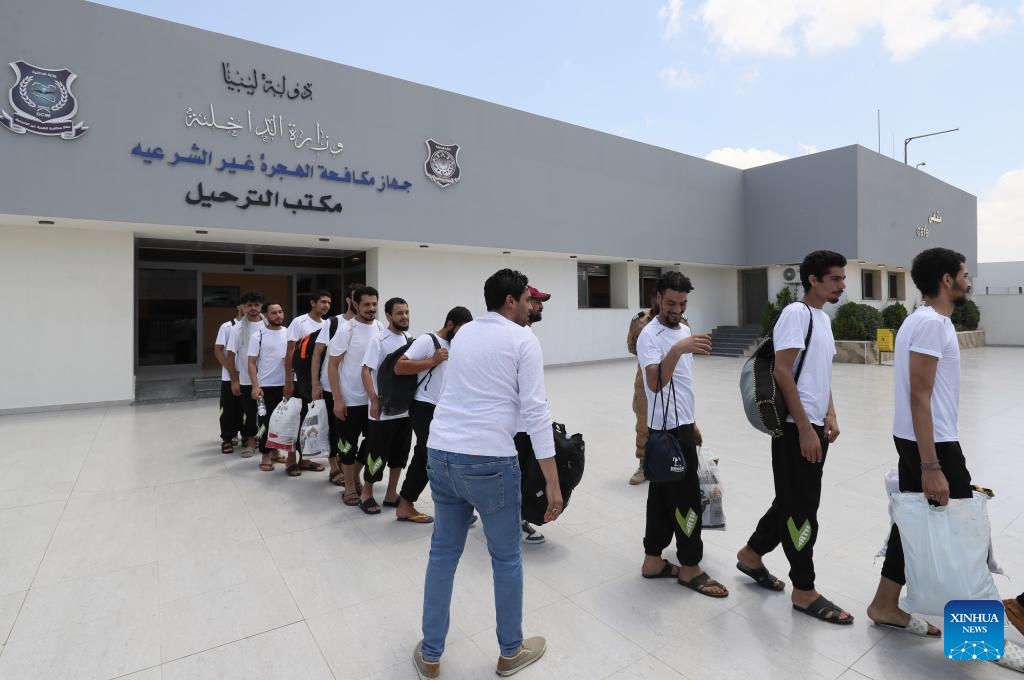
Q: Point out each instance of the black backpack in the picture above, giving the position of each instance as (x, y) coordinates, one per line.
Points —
(569, 459)
(762, 401)
(396, 392)
(302, 360)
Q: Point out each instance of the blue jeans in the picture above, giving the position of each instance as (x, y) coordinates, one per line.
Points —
(458, 484)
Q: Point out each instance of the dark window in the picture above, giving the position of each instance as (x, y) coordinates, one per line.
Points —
(871, 284)
(648, 284)
(594, 285)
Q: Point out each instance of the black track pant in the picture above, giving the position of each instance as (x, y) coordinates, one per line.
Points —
(954, 467)
(675, 508)
(230, 412)
(248, 406)
(792, 518)
(420, 413)
(387, 446)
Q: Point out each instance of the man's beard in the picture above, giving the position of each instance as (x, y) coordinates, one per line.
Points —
(960, 302)
(402, 328)
(533, 318)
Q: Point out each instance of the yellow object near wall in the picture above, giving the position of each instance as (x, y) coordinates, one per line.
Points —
(885, 339)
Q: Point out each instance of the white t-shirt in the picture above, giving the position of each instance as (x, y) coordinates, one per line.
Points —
(351, 339)
(223, 335)
(928, 332)
(429, 389)
(815, 383)
(324, 339)
(381, 345)
(270, 347)
(652, 345)
(242, 356)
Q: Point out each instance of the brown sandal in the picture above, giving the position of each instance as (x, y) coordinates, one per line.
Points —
(350, 498)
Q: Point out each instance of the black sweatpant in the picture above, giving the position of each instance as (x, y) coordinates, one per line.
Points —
(355, 424)
(248, 408)
(333, 425)
(792, 518)
(230, 412)
(387, 446)
(954, 467)
(675, 508)
(420, 415)
(272, 396)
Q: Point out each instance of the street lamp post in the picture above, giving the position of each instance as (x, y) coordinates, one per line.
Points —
(930, 134)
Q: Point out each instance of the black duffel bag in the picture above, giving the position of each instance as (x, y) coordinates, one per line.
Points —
(569, 460)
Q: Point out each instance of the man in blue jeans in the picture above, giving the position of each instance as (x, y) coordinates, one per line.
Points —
(495, 380)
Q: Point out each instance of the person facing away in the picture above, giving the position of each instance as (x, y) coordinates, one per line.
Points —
(798, 456)
(495, 378)
(427, 359)
(926, 373)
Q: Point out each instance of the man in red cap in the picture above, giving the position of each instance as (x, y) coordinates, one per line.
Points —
(523, 445)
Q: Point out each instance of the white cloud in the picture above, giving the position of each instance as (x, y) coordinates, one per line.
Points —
(1000, 216)
(679, 78)
(672, 13)
(808, 148)
(744, 158)
(782, 27)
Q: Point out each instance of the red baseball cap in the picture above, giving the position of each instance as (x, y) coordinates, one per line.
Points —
(537, 295)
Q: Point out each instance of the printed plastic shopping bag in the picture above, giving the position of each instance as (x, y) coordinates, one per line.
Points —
(284, 425)
(946, 551)
(710, 490)
(313, 435)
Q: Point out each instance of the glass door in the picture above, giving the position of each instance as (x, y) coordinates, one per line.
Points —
(167, 316)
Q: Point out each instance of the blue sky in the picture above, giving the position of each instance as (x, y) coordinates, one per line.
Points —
(738, 81)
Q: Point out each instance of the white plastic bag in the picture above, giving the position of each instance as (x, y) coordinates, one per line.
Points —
(892, 486)
(710, 490)
(284, 425)
(946, 551)
(313, 435)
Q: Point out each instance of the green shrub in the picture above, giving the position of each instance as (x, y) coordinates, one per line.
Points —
(893, 316)
(966, 318)
(854, 321)
(772, 311)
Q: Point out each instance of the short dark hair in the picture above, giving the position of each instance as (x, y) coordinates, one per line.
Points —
(251, 296)
(268, 305)
(359, 292)
(317, 294)
(353, 287)
(931, 265)
(458, 316)
(500, 285)
(817, 264)
(674, 281)
(389, 306)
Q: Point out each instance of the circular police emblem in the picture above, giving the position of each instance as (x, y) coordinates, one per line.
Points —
(442, 164)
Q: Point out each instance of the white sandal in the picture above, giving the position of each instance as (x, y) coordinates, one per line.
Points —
(915, 626)
(1013, 657)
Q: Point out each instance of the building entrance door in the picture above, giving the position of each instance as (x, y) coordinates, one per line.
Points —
(753, 295)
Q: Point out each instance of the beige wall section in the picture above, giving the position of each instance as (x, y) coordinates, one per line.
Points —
(434, 281)
(84, 281)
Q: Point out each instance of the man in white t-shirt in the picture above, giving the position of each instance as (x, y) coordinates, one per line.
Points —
(345, 376)
(427, 359)
(237, 353)
(230, 405)
(390, 435)
(665, 349)
(803, 372)
(299, 328)
(926, 372)
(268, 347)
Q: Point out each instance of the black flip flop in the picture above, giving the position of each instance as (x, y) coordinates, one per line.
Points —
(369, 506)
(293, 470)
(311, 465)
(702, 581)
(337, 479)
(390, 504)
(666, 572)
(821, 608)
(762, 577)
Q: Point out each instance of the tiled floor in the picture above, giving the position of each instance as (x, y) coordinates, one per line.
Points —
(131, 548)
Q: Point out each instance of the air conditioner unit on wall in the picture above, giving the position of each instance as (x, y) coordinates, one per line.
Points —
(790, 274)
